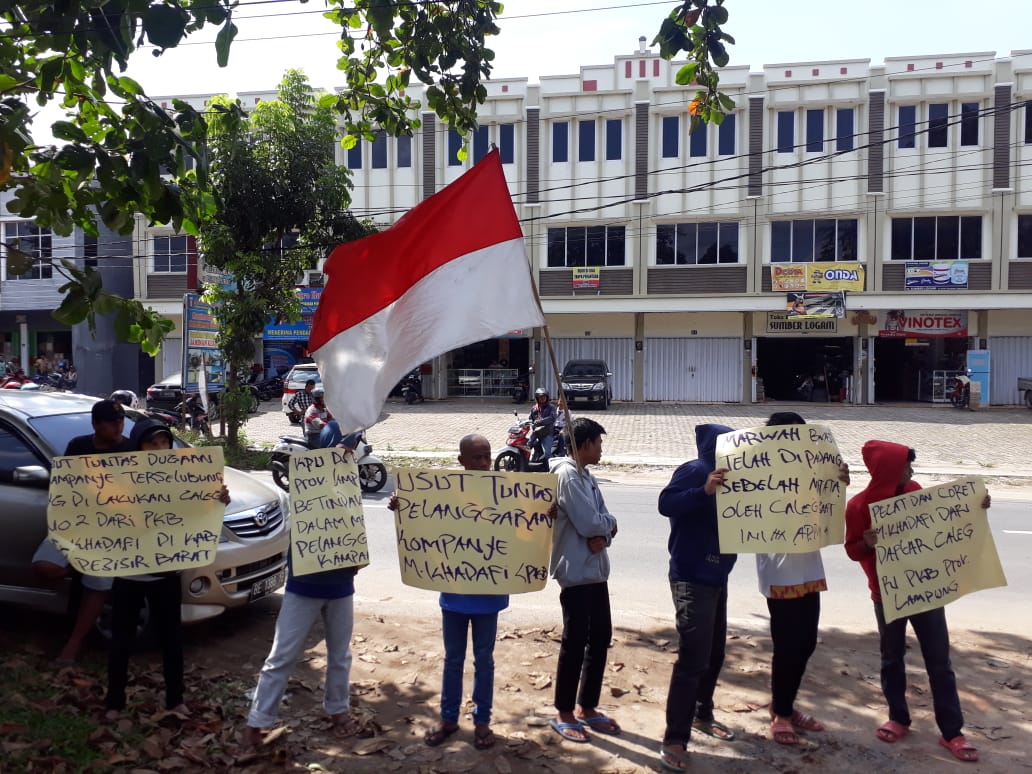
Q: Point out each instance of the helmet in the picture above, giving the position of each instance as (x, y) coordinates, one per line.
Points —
(318, 392)
(127, 398)
(539, 392)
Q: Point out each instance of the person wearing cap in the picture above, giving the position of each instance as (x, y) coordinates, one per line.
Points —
(108, 419)
(316, 417)
(163, 595)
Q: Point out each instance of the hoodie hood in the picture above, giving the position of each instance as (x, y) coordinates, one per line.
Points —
(144, 428)
(885, 462)
(706, 442)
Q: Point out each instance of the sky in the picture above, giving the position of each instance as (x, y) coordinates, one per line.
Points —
(551, 37)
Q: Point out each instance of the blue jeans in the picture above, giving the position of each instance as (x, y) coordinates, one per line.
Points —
(934, 638)
(455, 626)
(701, 614)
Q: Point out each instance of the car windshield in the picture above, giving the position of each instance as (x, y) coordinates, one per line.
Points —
(303, 375)
(58, 429)
(584, 369)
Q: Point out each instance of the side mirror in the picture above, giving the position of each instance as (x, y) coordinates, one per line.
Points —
(609, 374)
(31, 475)
(560, 375)
(530, 369)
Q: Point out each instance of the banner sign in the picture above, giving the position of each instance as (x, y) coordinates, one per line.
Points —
(279, 330)
(782, 492)
(135, 513)
(474, 532)
(817, 276)
(586, 277)
(821, 305)
(202, 359)
(327, 530)
(781, 322)
(937, 275)
(924, 324)
(934, 546)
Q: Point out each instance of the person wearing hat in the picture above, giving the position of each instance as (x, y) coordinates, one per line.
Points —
(316, 417)
(108, 419)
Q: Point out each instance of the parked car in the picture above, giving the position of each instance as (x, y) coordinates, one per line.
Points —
(295, 381)
(587, 380)
(166, 394)
(34, 427)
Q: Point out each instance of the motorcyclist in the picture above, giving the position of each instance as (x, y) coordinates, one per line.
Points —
(543, 415)
(299, 404)
(316, 417)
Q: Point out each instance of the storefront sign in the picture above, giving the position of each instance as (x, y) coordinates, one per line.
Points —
(586, 277)
(937, 275)
(816, 304)
(202, 359)
(923, 324)
(302, 329)
(780, 322)
(817, 276)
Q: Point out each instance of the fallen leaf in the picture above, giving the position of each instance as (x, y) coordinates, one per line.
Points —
(503, 766)
(370, 746)
(275, 734)
(543, 682)
(616, 666)
(617, 692)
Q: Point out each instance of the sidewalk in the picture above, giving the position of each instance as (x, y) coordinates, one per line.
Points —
(949, 442)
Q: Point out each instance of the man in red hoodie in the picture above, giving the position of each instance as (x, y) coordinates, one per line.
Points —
(890, 467)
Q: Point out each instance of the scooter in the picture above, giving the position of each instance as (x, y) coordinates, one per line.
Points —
(523, 452)
(960, 396)
(412, 388)
(372, 473)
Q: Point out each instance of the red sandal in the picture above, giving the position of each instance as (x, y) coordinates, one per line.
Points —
(960, 749)
(892, 732)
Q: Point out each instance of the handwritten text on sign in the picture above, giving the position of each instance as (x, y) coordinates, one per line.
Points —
(328, 527)
(782, 492)
(934, 546)
(474, 532)
(137, 512)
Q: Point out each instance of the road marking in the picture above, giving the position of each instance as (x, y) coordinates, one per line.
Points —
(1017, 532)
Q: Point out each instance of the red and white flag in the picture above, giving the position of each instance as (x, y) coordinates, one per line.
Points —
(452, 271)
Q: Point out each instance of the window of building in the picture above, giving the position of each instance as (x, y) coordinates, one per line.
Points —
(378, 151)
(35, 242)
(614, 139)
(481, 143)
(671, 137)
(169, 253)
(586, 246)
(586, 140)
(726, 136)
(355, 155)
(907, 128)
(1024, 236)
(938, 125)
(945, 238)
(786, 131)
(404, 151)
(814, 131)
(822, 239)
(697, 141)
(844, 129)
(89, 251)
(1028, 122)
(969, 123)
(696, 243)
(506, 142)
(454, 146)
(560, 142)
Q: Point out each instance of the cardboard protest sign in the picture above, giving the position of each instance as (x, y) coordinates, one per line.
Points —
(934, 546)
(135, 513)
(781, 494)
(474, 532)
(327, 530)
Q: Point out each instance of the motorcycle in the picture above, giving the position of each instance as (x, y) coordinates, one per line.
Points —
(520, 389)
(523, 452)
(372, 473)
(412, 388)
(188, 414)
(269, 389)
(960, 396)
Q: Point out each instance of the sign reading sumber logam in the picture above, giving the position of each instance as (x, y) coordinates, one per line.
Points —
(782, 322)
(781, 492)
(934, 546)
(474, 532)
(135, 513)
(327, 530)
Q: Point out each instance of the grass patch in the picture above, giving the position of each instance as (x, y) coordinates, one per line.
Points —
(243, 457)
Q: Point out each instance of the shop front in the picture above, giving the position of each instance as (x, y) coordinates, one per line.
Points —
(917, 355)
(488, 369)
(806, 359)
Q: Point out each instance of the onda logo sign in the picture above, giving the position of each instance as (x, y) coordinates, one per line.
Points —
(851, 275)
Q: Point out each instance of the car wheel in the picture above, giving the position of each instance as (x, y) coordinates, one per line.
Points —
(253, 406)
(372, 477)
(604, 403)
(509, 461)
(280, 475)
(145, 634)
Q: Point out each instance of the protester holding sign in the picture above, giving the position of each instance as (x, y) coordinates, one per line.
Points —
(162, 594)
(583, 531)
(698, 583)
(890, 467)
(792, 584)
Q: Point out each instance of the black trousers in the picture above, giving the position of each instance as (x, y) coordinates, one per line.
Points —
(164, 598)
(793, 630)
(587, 630)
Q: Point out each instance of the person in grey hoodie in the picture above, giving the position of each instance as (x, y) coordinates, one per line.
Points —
(584, 528)
(698, 584)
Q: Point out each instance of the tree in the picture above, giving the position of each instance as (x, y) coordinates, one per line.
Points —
(279, 202)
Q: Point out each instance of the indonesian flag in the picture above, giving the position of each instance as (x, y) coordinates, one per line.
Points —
(452, 271)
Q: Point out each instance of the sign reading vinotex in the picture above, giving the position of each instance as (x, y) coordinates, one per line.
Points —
(781, 322)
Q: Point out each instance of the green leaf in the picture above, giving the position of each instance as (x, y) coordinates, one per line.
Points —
(223, 41)
(164, 25)
(69, 132)
(687, 74)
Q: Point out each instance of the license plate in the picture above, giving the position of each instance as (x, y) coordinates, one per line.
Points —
(266, 586)
(167, 394)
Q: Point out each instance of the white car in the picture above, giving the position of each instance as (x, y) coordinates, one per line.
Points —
(295, 381)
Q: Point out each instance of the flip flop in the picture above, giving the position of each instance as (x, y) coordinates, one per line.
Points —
(806, 722)
(891, 732)
(602, 724)
(438, 734)
(564, 729)
(484, 739)
(714, 729)
(782, 732)
(674, 760)
(960, 749)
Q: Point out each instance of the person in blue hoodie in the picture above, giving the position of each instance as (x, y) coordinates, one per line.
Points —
(698, 584)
